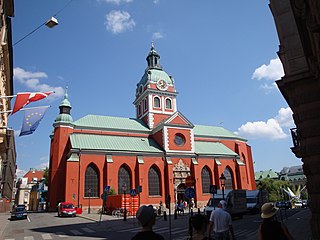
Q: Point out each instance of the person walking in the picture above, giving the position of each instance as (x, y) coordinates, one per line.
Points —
(220, 221)
(271, 229)
(198, 227)
(146, 215)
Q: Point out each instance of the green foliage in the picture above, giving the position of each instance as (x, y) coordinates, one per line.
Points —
(46, 176)
(274, 188)
(112, 192)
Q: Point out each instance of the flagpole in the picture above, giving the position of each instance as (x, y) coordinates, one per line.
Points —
(9, 111)
(11, 96)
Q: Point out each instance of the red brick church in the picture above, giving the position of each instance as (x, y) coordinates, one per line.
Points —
(157, 150)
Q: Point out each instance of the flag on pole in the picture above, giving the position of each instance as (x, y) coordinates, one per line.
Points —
(31, 120)
(24, 98)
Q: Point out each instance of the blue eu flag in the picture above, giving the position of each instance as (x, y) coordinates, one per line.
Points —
(32, 118)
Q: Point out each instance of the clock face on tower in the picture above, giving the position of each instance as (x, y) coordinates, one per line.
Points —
(162, 85)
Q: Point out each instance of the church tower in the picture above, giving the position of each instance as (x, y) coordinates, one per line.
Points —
(155, 92)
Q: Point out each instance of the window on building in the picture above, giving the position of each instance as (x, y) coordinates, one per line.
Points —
(124, 179)
(156, 102)
(168, 103)
(91, 182)
(206, 180)
(154, 182)
(145, 107)
(228, 182)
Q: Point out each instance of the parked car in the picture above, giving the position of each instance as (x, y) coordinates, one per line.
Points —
(19, 212)
(284, 204)
(255, 199)
(304, 203)
(66, 209)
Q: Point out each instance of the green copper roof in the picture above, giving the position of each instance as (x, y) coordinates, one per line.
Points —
(155, 75)
(112, 123)
(64, 118)
(113, 143)
(213, 131)
(213, 148)
(266, 174)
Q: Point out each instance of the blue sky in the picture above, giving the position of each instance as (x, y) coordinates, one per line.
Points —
(222, 55)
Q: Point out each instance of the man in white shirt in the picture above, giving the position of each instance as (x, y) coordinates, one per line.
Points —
(221, 222)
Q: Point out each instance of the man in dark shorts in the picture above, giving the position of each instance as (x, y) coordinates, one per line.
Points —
(146, 215)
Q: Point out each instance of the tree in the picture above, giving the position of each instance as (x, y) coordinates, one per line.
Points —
(274, 188)
(46, 176)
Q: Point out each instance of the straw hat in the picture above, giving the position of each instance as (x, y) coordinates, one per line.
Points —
(268, 210)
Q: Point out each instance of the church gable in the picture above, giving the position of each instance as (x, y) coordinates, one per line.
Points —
(178, 119)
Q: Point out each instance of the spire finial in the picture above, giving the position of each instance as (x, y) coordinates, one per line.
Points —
(66, 93)
(152, 45)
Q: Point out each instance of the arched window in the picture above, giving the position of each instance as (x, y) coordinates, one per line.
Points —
(156, 102)
(124, 178)
(91, 182)
(168, 103)
(228, 182)
(206, 180)
(154, 182)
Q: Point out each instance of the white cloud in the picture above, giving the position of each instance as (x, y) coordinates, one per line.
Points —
(119, 21)
(117, 2)
(156, 1)
(284, 117)
(273, 71)
(20, 173)
(269, 73)
(31, 80)
(42, 165)
(271, 129)
(157, 35)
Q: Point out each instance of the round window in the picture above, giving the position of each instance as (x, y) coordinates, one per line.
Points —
(179, 139)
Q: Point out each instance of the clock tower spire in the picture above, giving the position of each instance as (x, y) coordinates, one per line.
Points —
(155, 92)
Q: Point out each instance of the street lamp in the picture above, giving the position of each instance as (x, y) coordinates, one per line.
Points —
(89, 192)
(124, 189)
(222, 183)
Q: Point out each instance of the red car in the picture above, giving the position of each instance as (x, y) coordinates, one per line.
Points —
(66, 209)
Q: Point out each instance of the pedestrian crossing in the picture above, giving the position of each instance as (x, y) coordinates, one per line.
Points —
(160, 230)
(50, 236)
(178, 233)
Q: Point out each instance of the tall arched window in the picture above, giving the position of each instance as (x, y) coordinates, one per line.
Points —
(206, 180)
(168, 103)
(228, 182)
(154, 182)
(156, 102)
(91, 182)
(124, 177)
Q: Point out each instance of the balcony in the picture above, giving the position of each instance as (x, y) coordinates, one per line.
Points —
(296, 149)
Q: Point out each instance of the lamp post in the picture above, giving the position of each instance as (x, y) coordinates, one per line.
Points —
(222, 183)
(89, 193)
(124, 189)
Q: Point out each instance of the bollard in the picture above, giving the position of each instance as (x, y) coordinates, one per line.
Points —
(175, 214)
(199, 211)
(165, 216)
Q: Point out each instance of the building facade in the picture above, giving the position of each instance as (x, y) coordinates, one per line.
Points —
(298, 27)
(157, 150)
(25, 185)
(7, 145)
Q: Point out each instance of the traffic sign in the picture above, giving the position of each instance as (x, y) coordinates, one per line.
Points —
(133, 192)
(213, 189)
(106, 189)
(104, 196)
(189, 193)
(190, 181)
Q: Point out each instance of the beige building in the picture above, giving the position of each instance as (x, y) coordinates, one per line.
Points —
(7, 145)
(298, 26)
